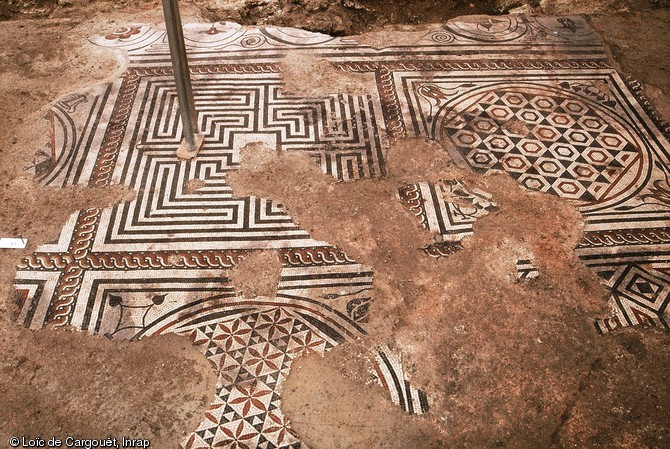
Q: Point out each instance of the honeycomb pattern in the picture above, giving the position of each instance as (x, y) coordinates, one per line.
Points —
(548, 143)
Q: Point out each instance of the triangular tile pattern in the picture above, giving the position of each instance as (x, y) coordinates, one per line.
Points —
(253, 354)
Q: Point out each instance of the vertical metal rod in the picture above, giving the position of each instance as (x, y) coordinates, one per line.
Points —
(182, 76)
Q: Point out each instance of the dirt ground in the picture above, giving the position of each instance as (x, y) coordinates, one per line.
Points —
(505, 364)
(336, 17)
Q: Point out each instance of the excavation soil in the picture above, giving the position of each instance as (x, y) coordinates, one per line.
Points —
(505, 364)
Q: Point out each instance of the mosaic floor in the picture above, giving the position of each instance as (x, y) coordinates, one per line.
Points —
(535, 97)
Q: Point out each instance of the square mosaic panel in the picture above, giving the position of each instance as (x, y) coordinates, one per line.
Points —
(535, 97)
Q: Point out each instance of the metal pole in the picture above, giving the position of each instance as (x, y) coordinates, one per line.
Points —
(182, 77)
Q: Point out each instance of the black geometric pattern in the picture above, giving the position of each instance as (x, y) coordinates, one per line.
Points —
(549, 143)
(639, 296)
(526, 270)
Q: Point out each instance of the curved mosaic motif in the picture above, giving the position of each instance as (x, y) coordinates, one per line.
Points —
(488, 29)
(388, 371)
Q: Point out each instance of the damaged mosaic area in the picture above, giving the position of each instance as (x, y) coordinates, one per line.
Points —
(388, 371)
(535, 97)
(446, 209)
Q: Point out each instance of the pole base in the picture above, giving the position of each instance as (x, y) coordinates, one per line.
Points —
(183, 152)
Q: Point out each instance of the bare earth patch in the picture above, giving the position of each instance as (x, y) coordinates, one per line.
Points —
(256, 275)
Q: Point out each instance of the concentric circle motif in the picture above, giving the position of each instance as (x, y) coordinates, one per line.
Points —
(252, 41)
(442, 37)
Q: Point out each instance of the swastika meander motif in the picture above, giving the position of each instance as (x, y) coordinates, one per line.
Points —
(535, 97)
